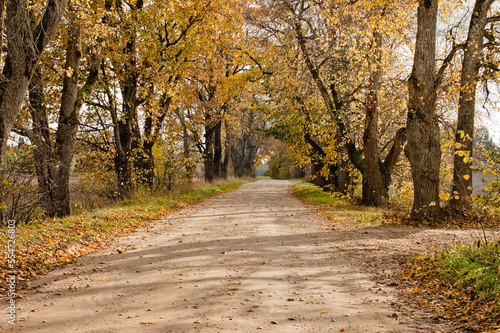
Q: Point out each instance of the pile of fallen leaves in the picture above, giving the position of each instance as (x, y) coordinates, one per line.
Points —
(449, 218)
(44, 245)
(422, 286)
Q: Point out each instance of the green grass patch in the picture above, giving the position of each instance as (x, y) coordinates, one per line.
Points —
(461, 284)
(43, 245)
(475, 268)
(336, 207)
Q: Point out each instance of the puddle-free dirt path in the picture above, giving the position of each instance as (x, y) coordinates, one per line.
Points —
(254, 260)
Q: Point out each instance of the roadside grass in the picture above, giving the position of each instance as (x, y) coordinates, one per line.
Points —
(336, 208)
(460, 284)
(43, 245)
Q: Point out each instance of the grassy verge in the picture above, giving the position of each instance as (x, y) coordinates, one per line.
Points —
(460, 284)
(44, 245)
(336, 208)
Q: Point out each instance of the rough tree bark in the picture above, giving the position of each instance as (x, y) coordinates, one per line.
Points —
(243, 154)
(423, 148)
(124, 126)
(2, 10)
(144, 160)
(42, 140)
(464, 137)
(53, 159)
(218, 150)
(186, 147)
(227, 151)
(374, 191)
(208, 154)
(24, 49)
(67, 124)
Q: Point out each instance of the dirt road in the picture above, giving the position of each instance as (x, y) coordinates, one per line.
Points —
(253, 260)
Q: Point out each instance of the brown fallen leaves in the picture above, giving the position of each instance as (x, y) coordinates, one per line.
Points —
(420, 286)
(449, 218)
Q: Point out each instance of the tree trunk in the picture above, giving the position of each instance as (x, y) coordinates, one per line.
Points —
(2, 10)
(43, 151)
(334, 106)
(144, 160)
(24, 49)
(227, 151)
(218, 150)
(243, 154)
(67, 124)
(123, 157)
(142, 148)
(186, 147)
(317, 156)
(144, 163)
(208, 154)
(374, 191)
(342, 179)
(424, 149)
(464, 137)
(124, 130)
(53, 160)
(124, 126)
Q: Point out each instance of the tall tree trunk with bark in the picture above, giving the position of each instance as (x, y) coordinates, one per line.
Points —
(227, 151)
(374, 191)
(53, 159)
(424, 148)
(124, 126)
(24, 49)
(218, 150)
(43, 152)
(67, 124)
(2, 11)
(123, 157)
(144, 160)
(186, 147)
(208, 154)
(243, 155)
(317, 156)
(464, 137)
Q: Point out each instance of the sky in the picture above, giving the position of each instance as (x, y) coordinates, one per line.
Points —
(492, 123)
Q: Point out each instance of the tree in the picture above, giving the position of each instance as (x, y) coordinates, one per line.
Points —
(143, 67)
(423, 149)
(54, 154)
(464, 135)
(27, 38)
(214, 89)
(344, 61)
(245, 141)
